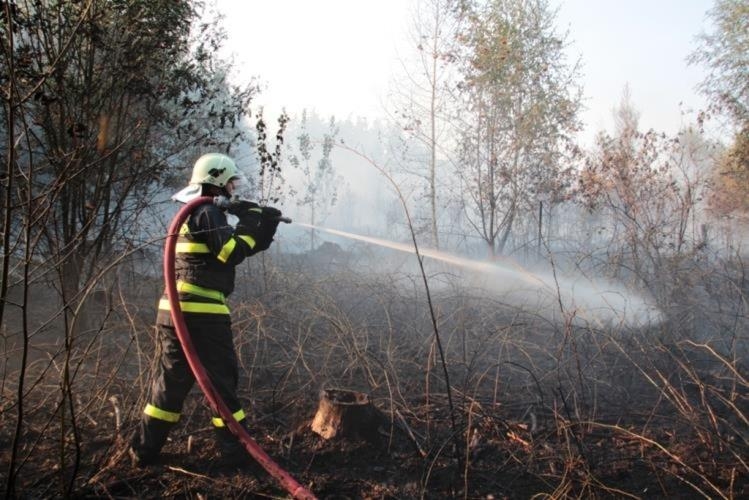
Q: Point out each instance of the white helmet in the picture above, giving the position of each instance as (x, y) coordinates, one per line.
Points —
(215, 169)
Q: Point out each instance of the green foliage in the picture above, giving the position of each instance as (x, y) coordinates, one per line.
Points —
(522, 99)
(725, 52)
(731, 178)
(104, 97)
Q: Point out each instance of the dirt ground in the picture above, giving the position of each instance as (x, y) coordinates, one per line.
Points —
(519, 435)
(500, 459)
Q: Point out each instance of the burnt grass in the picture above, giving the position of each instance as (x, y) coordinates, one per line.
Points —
(537, 408)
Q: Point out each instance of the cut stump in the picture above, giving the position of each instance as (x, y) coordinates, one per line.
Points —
(346, 414)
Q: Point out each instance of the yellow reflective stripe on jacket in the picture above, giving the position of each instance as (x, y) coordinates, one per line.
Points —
(158, 413)
(226, 250)
(238, 416)
(185, 287)
(190, 247)
(247, 239)
(196, 307)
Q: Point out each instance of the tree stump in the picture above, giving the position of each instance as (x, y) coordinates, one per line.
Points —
(347, 414)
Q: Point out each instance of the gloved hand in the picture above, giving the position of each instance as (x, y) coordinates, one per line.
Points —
(241, 207)
(249, 214)
(271, 213)
(261, 224)
(250, 221)
(269, 222)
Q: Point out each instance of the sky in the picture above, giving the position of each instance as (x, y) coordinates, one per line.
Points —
(339, 57)
(335, 56)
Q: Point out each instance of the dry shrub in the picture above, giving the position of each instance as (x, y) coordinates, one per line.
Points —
(558, 409)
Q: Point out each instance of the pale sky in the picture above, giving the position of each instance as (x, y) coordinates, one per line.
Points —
(339, 56)
(335, 56)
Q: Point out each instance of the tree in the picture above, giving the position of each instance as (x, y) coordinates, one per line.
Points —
(731, 178)
(521, 103)
(107, 93)
(725, 52)
(99, 98)
(424, 98)
(271, 182)
(649, 188)
(320, 184)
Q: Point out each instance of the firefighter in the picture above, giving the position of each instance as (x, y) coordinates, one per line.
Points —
(207, 251)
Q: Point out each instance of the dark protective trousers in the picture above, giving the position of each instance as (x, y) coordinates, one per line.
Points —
(212, 337)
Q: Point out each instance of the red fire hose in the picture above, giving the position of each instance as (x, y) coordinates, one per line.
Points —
(288, 482)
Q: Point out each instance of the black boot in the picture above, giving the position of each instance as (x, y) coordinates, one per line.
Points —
(228, 443)
(148, 440)
(233, 453)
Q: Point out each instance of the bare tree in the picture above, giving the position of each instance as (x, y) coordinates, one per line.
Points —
(651, 187)
(424, 96)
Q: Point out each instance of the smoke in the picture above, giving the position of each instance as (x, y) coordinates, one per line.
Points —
(556, 297)
(583, 301)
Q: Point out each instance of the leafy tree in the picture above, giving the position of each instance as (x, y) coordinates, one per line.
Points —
(106, 95)
(725, 53)
(521, 101)
(731, 178)
(100, 99)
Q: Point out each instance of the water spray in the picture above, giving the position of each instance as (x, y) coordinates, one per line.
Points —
(435, 254)
(597, 303)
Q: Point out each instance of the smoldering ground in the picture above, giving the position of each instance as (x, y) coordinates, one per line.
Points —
(543, 397)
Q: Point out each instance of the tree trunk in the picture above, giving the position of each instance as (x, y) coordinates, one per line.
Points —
(347, 414)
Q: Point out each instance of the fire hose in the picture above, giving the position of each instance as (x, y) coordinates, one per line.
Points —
(205, 383)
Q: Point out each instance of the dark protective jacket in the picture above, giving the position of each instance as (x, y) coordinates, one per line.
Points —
(207, 251)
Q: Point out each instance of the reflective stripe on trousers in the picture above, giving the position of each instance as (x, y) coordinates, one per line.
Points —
(159, 414)
(238, 416)
(173, 417)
